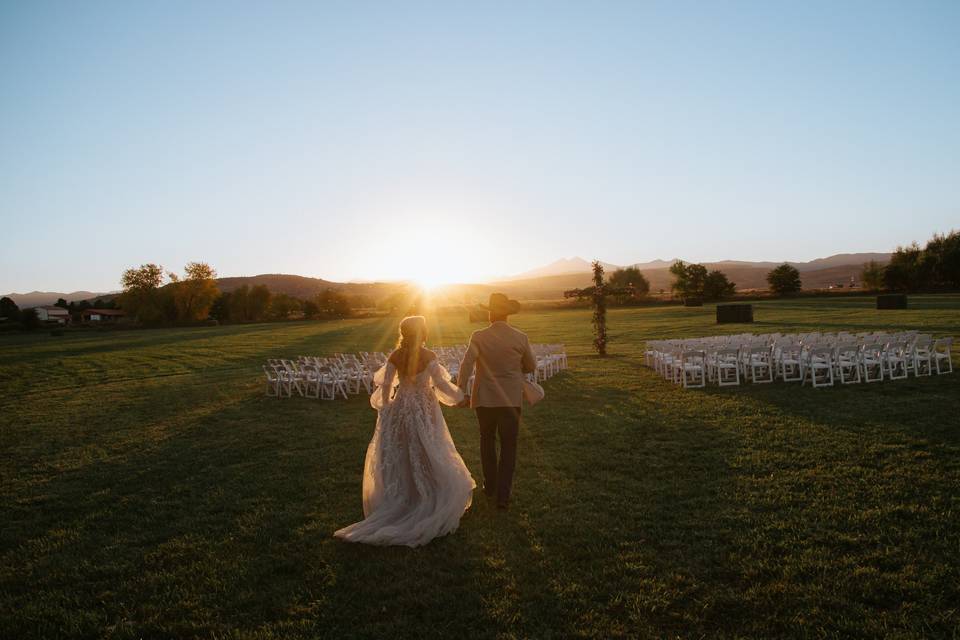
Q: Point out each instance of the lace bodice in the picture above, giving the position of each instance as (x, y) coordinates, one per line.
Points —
(435, 379)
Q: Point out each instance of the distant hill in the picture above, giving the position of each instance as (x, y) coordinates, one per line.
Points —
(304, 287)
(579, 265)
(297, 286)
(841, 260)
(561, 267)
(41, 298)
(745, 275)
(544, 283)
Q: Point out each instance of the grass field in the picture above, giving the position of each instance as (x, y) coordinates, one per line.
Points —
(149, 489)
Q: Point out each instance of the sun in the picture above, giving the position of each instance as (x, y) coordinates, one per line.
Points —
(434, 253)
(430, 282)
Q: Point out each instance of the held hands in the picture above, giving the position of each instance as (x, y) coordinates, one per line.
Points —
(465, 403)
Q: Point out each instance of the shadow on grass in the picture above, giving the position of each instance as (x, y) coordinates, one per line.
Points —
(210, 527)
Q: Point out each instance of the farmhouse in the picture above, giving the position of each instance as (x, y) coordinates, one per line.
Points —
(50, 313)
(101, 315)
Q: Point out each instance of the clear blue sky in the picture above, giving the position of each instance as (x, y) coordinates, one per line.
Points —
(332, 139)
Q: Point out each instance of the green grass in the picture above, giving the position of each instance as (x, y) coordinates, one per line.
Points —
(149, 489)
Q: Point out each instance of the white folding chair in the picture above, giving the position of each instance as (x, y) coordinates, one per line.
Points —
(895, 360)
(848, 363)
(760, 363)
(922, 353)
(820, 366)
(725, 364)
(941, 355)
(789, 363)
(871, 362)
(274, 382)
(693, 368)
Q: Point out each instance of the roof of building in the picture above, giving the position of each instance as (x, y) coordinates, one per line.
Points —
(50, 307)
(104, 312)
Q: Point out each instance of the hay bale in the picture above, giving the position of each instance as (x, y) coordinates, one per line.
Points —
(727, 313)
(892, 301)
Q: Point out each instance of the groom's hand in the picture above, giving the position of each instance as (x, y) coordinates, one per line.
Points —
(465, 403)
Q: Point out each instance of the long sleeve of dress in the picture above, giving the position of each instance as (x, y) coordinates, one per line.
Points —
(384, 380)
(446, 392)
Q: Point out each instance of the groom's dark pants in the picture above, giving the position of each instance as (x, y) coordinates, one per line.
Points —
(498, 477)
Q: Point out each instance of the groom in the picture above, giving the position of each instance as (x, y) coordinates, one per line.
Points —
(502, 356)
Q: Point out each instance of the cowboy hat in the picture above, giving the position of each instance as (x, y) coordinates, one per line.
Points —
(501, 305)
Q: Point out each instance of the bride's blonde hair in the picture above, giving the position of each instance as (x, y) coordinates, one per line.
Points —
(413, 335)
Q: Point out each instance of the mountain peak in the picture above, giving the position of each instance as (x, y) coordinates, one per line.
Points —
(563, 266)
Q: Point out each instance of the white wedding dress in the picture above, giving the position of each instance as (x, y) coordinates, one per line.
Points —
(415, 485)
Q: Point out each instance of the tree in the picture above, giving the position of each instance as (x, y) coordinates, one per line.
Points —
(61, 303)
(141, 297)
(694, 281)
(598, 296)
(872, 276)
(406, 301)
(688, 279)
(909, 269)
(29, 319)
(194, 294)
(784, 280)
(943, 254)
(310, 309)
(629, 278)
(360, 301)
(236, 304)
(9, 309)
(99, 303)
(333, 304)
(697, 279)
(681, 279)
(716, 286)
(258, 303)
(283, 306)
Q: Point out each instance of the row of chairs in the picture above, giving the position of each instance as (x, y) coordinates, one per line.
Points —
(820, 359)
(345, 374)
(551, 359)
(323, 378)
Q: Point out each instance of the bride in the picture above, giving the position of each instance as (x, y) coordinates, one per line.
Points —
(415, 485)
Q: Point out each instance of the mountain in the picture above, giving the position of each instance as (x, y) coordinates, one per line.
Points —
(41, 298)
(304, 287)
(544, 283)
(297, 286)
(561, 267)
(653, 264)
(843, 259)
(815, 274)
(579, 265)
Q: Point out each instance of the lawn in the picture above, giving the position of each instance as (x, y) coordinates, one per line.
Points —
(149, 489)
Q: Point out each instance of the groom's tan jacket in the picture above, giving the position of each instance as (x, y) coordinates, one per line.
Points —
(502, 355)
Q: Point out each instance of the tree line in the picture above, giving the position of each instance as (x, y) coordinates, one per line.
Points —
(690, 281)
(935, 266)
(913, 268)
(194, 298)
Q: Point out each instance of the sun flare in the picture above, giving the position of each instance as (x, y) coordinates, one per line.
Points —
(433, 253)
(430, 282)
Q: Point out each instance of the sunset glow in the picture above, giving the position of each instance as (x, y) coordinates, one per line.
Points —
(432, 252)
